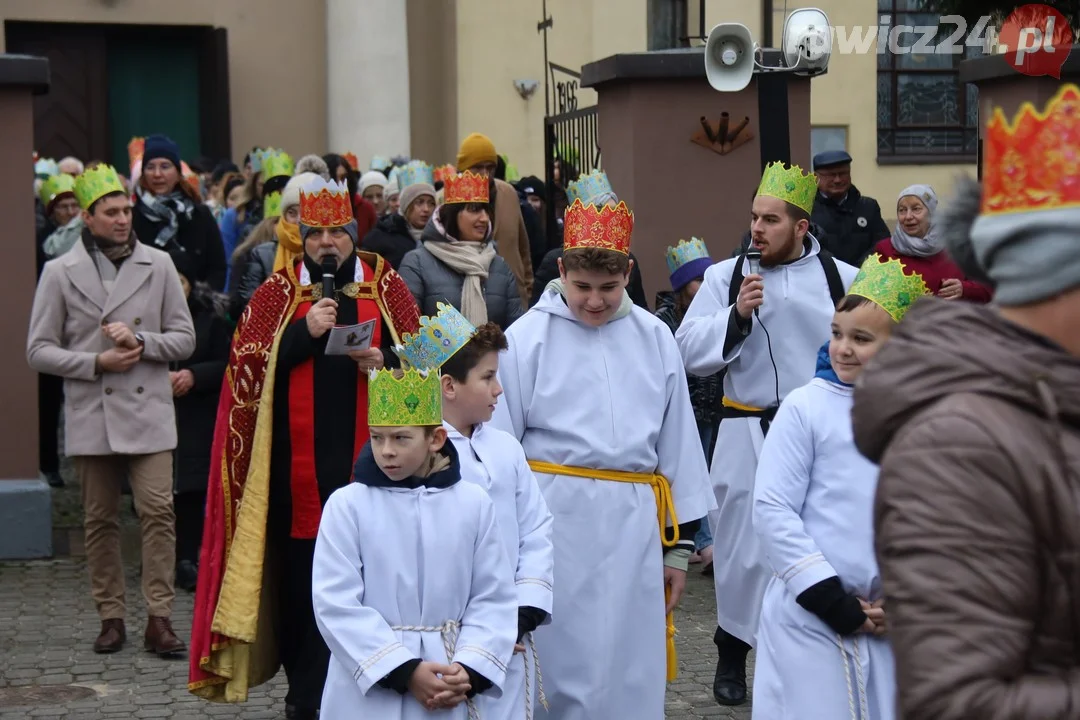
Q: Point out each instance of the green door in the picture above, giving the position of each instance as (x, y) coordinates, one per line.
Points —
(153, 88)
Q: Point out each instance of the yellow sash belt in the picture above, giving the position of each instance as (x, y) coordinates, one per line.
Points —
(729, 403)
(665, 510)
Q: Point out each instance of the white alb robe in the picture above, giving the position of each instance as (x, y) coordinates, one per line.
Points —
(495, 461)
(797, 313)
(612, 398)
(813, 511)
(390, 558)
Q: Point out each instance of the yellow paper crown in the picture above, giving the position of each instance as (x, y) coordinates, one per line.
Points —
(272, 205)
(791, 185)
(276, 163)
(55, 186)
(96, 183)
(1033, 163)
(413, 399)
(885, 283)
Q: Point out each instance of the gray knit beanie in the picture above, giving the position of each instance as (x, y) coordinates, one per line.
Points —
(313, 164)
(1030, 256)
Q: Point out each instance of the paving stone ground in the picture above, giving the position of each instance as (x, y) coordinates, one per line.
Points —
(48, 623)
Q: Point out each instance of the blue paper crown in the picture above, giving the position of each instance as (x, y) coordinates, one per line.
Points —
(415, 172)
(588, 187)
(440, 336)
(684, 252)
(46, 167)
(380, 162)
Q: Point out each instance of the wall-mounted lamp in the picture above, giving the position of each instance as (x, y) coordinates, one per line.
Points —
(526, 88)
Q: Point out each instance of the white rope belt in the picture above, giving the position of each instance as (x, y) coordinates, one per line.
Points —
(449, 632)
(539, 679)
(862, 710)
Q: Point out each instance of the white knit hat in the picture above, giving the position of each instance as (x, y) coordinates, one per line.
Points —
(290, 196)
(372, 178)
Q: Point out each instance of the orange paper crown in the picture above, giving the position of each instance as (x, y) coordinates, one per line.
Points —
(1033, 163)
(135, 150)
(444, 171)
(466, 187)
(350, 158)
(603, 228)
(325, 204)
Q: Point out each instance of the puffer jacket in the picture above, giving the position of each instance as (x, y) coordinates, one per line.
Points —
(432, 281)
(975, 422)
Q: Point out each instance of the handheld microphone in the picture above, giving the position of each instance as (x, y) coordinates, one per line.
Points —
(753, 256)
(329, 267)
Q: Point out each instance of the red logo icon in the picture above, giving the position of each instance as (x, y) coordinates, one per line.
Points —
(1038, 39)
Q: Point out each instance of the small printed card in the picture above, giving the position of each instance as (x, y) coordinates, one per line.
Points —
(346, 338)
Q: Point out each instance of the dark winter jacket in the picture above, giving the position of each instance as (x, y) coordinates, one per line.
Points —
(432, 281)
(549, 270)
(196, 411)
(199, 237)
(705, 392)
(250, 274)
(852, 226)
(390, 238)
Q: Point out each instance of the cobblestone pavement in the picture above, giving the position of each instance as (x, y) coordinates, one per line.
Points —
(47, 669)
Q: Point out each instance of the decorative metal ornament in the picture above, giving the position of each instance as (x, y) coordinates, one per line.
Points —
(722, 139)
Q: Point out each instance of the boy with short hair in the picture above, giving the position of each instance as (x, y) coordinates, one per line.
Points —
(412, 589)
(596, 393)
(495, 461)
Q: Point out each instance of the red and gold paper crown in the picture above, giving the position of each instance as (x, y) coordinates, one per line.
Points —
(603, 228)
(354, 163)
(1033, 163)
(466, 187)
(444, 171)
(325, 204)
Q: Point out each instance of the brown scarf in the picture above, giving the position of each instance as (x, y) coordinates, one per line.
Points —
(113, 251)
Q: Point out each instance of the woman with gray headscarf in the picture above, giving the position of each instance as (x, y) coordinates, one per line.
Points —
(918, 243)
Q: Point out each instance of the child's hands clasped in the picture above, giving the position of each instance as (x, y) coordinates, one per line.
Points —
(875, 617)
(437, 686)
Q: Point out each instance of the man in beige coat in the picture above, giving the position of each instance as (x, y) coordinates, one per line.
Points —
(109, 316)
(477, 153)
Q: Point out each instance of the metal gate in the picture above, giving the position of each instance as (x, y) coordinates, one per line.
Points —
(571, 138)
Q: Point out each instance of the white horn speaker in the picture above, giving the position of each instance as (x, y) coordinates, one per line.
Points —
(729, 57)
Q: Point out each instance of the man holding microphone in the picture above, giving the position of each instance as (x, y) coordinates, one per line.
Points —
(768, 348)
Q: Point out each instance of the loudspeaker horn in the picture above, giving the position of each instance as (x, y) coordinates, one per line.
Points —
(729, 57)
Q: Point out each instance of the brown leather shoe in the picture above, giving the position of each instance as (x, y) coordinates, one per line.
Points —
(112, 637)
(160, 638)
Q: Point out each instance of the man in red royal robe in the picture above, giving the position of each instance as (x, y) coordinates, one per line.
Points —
(290, 422)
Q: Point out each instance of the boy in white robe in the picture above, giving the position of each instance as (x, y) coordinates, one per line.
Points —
(494, 460)
(763, 320)
(596, 393)
(822, 649)
(412, 589)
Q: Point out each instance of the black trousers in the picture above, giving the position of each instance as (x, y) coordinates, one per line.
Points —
(190, 515)
(303, 651)
(50, 401)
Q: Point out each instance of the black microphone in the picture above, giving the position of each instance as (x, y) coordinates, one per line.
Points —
(329, 267)
(753, 257)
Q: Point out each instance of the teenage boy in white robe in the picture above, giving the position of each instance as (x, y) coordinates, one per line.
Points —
(764, 321)
(822, 649)
(494, 460)
(596, 393)
(412, 589)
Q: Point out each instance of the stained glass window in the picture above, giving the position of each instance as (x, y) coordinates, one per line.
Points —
(923, 110)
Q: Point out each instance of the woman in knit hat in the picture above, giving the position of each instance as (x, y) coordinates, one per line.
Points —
(395, 234)
(477, 153)
(457, 262)
(168, 213)
(918, 243)
(373, 189)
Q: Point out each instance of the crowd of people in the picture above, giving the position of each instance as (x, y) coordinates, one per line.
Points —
(390, 457)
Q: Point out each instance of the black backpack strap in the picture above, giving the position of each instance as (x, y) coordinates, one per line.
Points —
(832, 276)
(736, 279)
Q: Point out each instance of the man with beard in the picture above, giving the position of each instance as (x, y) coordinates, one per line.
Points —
(769, 348)
(291, 422)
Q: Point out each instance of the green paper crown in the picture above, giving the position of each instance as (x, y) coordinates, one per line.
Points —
(55, 185)
(791, 185)
(277, 163)
(96, 183)
(414, 399)
(272, 205)
(885, 283)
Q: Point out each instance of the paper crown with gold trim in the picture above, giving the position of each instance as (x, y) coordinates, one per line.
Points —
(354, 162)
(466, 187)
(687, 261)
(325, 203)
(96, 183)
(54, 186)
(402, 398)
(272, 205)
(277, 163)
(789, 184)
(1033, 163)
(589, 187)
(444, 171)
(46, 167)
(439, 338)
(888, 285)
(414, 173)
(602, 228)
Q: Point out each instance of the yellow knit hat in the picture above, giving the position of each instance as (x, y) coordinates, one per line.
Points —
(476, 149)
